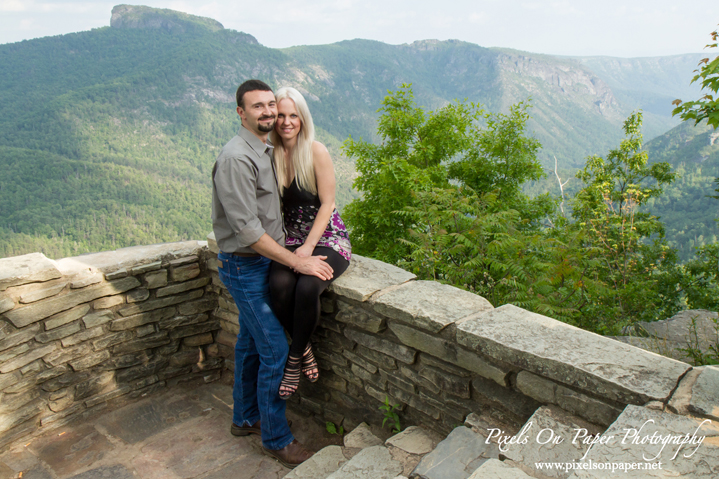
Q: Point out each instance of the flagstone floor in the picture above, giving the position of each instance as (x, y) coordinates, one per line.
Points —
(181, 433)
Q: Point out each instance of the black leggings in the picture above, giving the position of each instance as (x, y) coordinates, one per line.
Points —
(295, 298)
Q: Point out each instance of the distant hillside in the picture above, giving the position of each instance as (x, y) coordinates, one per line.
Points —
(107, 137)
(685, 208)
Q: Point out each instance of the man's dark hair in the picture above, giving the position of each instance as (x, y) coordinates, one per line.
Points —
(250, 85)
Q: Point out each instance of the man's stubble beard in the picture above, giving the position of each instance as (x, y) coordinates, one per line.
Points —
(266, 129)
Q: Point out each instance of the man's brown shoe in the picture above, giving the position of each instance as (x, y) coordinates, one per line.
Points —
(291, 455)
(247, 430)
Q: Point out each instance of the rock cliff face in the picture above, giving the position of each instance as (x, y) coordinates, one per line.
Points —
(138, 16)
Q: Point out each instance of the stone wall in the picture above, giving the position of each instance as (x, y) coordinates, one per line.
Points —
(443, 353)
(80, 333)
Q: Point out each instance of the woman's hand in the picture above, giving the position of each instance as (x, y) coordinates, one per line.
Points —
(304, 251)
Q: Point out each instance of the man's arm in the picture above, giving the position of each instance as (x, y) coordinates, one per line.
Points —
(312, 265)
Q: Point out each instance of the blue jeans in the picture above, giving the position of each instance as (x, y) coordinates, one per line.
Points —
(261, 349)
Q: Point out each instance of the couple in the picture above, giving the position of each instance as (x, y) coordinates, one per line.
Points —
(275, 271)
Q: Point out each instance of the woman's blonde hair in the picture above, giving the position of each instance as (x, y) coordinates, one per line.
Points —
(302, 152)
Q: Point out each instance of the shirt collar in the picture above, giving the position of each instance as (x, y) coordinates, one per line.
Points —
(254, 142)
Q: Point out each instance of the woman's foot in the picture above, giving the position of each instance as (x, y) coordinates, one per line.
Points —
(309, 365)
(291, 377)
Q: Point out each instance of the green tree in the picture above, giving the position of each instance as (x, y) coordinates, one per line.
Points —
(707, 107)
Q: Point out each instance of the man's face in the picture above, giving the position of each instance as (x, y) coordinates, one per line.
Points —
(259, 113)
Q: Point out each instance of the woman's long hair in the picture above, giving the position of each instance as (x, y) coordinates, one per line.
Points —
(302, 152)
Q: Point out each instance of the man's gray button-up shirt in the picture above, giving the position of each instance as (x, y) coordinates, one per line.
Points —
(245, 201)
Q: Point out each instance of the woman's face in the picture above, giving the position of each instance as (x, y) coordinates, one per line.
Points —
(288, 121)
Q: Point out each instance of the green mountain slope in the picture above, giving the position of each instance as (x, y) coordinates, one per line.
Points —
(107, 137)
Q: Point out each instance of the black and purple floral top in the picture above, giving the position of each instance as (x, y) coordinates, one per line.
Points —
(299, 209)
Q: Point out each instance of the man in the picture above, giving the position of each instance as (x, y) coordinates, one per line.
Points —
(248, 227)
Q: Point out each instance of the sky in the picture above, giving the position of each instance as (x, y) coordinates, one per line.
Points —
(626, 28)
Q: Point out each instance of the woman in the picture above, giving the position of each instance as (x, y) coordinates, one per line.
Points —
(307, 186)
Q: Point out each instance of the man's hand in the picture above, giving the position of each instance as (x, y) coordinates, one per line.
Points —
(314, 266)
(304, 251)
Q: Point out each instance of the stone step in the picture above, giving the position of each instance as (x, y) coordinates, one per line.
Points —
(374, 462)
(548, 436)
(628, 441)
(456, 457)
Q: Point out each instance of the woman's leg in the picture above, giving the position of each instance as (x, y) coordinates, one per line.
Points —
(282, 294)
(307, 300)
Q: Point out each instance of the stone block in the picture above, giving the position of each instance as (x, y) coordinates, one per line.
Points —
(8, 379)
(377, 358)
(228, 305)
(212, 244)
(185, 358)
(64, 381)
(361, 437)
(413, 440)
(354, 358)
(415, 402)
(126, 360)
(360, 318)
(156, 279)
(168, 349)
(38, 294)
(145, 330)
(63, 355)
(185, 260)
(181, 287)
(628, 441)
(104, 397)
(184, 273)
(332, 381)
(429, 305)
(487, 391)
(6, 304)
(427, 360)
(539, 388)
(95, 385)
(548, 436)
(58, 333)
(31, 369)
(346, 374)
(90, 360)
(374, 379)
(194, 329)
(131, 322)
(158, 303)
(179, 321)
(21, 317)
(375, 462)
(108, 302)
(87, 281)
(322, 464)
(29, 268)
(61, 404)
(449, 351)
(12, 402)
(447, 383)
(66, 317)
(19, 337)
(418, 380)
(496, 469)
(138, 295)
(673, 333)
(19, 416)
(366, 276)
(196, 307)
(13, 352)
(228, 339)
(231, 328)
(397, 351)
(705, 393)
(97, 318)
(605, 367)
(148, 342)
(457, 456)
(120, 273)
(155, 265)
(112, 340)
(198, 340)
(399, 382)
(27, 358)
(589, 408)
(135, 373)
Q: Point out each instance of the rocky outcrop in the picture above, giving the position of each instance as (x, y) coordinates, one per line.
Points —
(138, 16)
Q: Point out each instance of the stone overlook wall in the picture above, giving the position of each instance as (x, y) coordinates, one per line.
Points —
(443, 353)
(79, 334)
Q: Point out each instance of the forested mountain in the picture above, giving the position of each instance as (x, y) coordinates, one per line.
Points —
(107, 137)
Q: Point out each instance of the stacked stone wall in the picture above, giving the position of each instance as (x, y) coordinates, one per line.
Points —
(442, 353)
(81, 333)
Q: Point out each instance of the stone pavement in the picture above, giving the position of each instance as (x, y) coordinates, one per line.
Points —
(183, 432)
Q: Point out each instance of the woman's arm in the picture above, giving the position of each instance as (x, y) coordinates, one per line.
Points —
(325, 177)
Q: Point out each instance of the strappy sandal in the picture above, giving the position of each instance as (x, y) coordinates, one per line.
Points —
(309, 365)
(291, 378)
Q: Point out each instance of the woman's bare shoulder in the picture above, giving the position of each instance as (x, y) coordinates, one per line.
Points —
(318, 148)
